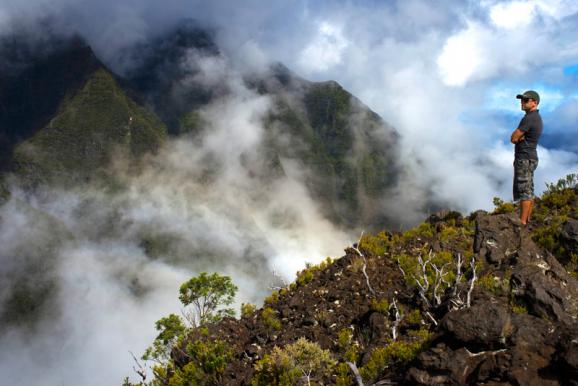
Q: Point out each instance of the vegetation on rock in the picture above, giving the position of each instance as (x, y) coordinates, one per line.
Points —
(90, 128)
(404, 308)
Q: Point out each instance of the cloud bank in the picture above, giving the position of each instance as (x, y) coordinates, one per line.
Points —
(110, 264)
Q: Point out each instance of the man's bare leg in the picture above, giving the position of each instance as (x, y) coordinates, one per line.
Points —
(525, 210)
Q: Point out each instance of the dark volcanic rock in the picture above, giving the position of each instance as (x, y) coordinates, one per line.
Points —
(483, 326)
(490, 344)
(569, 236)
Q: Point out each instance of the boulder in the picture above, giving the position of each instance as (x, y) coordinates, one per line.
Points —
(569, 236)
(480, 327)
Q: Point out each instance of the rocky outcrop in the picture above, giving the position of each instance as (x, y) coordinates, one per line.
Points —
(569, 236)
(455, 301)
(527, 335)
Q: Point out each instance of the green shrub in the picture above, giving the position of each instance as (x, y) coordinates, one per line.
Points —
(447, 233)
(398, 352)
(494, 284)
(308, 274)
(344, 377)
(414, 317)
(414, 271)
(286, 366)
(381, 306)
(424, 229)
(270, 319)
(171, 329)
(378, 245)
(207, 362)
(346, 346)
(247, 309)
(503, 207)
(273, 298)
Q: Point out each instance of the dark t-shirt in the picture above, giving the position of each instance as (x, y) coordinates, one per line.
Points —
(531, 125)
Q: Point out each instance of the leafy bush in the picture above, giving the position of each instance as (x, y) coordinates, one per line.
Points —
(381, 306)
(424, 229)
(378, 245)
(346, 346)
(270, 319)
(247, 309)
(171, 329)
(558, 204)
(302, 360)
(494, 284)
(344, 378)
(308, 274)
(398, 352)
(503, 207)
(414, 317)
(273, 298)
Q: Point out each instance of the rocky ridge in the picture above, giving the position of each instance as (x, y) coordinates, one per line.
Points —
(454, 301)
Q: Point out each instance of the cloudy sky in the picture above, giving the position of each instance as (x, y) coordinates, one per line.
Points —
(444, 76)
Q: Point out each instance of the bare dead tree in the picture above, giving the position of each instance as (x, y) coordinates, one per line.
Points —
(139, 369)
(472, 281)
(397, 318)
(190, 317)
(429, 315)
(459, 263)
(363, 269)
(439, 279)
(279, 279)
(423, 282)
(400, 268)
(355, 372)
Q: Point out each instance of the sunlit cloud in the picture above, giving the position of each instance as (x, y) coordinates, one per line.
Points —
(512, 15)
(325, 50)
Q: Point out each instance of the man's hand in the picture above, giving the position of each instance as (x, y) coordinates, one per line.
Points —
(517, 136)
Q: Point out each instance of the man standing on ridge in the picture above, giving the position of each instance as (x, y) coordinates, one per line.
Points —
(526, 137)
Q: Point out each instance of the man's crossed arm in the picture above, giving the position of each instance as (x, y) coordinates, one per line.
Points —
(517, 136)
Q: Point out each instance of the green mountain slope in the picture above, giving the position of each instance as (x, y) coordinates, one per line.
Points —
(349, 150)
(346, 151)
(33, 82)
(91, 127)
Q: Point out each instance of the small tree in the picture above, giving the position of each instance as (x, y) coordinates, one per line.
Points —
(206, 293)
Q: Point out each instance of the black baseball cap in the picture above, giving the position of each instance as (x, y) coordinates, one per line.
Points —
(530, 94)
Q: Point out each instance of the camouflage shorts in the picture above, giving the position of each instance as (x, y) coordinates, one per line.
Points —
(524, 178)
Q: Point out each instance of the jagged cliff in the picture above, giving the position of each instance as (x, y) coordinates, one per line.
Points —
(455, 301)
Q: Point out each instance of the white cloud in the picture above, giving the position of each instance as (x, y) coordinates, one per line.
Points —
(557, 9)
(462, 55)
(513, 15)
(325, 50)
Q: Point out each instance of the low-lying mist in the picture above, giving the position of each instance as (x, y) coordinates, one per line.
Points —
(88, 271)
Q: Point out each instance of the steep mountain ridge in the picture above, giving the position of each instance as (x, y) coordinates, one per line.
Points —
(33, 85)
(82, 138)
(347, 154)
